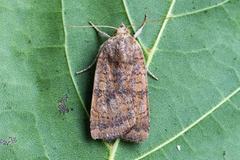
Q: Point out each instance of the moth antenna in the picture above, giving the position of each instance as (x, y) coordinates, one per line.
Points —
(90, 26)
(149, 21)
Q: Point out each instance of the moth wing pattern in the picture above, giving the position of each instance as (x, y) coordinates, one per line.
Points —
(139, 132)
(120, 106)
(109, 119)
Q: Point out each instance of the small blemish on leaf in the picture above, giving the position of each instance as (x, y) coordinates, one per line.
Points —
(111, 145)
(12, 140)
(62, 107)
(149, 50)
(178, 147)
(3, 142)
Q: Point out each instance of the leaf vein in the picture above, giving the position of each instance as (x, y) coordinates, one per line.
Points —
(150, 54)
(192, 125)
(67, 58)
(200, 10)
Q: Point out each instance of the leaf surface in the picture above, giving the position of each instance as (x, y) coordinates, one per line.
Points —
(194, 104)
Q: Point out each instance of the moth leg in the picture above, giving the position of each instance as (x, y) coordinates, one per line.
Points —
(140, 29)
(152, 75)
(90, 65)
(101, 32)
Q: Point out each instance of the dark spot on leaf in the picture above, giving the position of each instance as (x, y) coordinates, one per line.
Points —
(205, 11)
(3, 142)
(166, 130)
(62, 107)
(29, 41)
(224, 153)
(194, 8)
(12, 140)
(71, 109)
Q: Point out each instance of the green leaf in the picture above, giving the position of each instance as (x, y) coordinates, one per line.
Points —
(195, 104)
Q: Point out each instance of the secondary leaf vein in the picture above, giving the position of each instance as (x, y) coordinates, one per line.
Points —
(150, 54)
(192, 125)
(200, 10)
(69, 67)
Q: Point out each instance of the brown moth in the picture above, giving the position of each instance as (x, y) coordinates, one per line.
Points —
(120, 107)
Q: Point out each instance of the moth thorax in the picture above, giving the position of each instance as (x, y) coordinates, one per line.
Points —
(121, 53)
(122, 30)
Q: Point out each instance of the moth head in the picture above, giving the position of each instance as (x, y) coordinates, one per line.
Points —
(122, 30)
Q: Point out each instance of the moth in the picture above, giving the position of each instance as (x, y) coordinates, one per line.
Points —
(120, 106)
